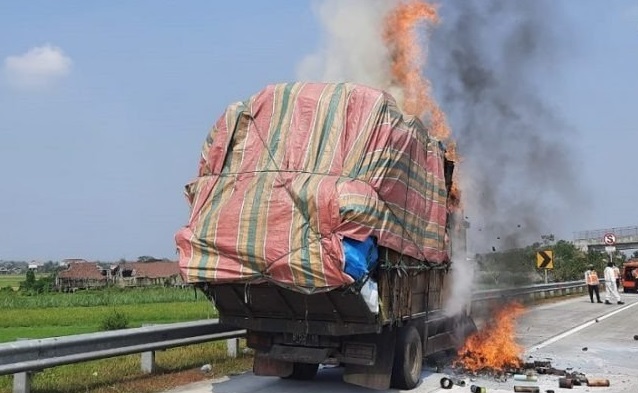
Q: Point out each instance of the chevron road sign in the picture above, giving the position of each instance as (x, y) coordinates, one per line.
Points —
(545, 259)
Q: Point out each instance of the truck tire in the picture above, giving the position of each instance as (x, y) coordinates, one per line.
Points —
(408, 359)
(303, 371)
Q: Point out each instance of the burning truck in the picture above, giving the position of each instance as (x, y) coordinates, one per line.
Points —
(321, 221)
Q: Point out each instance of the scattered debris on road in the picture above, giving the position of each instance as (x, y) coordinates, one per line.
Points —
(448, 382)
(527, 372)
(529, 377)
(527, 389)
(565, 383)
(477, 389)
(595, 382)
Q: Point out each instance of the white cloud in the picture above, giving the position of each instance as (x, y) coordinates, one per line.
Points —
(38, 67)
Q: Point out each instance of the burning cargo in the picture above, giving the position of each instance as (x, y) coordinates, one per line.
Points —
(320, 222)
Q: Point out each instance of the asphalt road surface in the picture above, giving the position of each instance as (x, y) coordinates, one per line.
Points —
(594, 339)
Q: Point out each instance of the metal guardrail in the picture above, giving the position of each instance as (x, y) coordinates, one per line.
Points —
(517, 292)
(33, 355)
(22, 357)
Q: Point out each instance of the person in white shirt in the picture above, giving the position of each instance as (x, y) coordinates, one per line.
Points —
(611, 290)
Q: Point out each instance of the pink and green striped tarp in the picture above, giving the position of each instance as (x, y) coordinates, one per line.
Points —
(285, 175)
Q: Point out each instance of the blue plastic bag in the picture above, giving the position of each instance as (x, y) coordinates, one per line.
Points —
(360, 257)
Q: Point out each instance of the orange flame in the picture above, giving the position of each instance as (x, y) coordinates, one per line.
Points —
(400, 35)
(493, 348)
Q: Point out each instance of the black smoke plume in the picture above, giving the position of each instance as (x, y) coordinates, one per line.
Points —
(492, 63)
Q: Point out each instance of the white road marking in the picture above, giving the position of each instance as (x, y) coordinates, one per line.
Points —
(578, 328)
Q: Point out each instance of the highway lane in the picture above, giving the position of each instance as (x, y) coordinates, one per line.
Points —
(564, 332)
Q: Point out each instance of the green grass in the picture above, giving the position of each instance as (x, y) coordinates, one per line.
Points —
(122, 374)
(50, 322)
(59, 314)
(14, 280)
(99, 297)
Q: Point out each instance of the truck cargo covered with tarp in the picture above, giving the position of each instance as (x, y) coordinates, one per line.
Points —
(301, 180)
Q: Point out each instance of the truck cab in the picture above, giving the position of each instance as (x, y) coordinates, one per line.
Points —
(628, 277)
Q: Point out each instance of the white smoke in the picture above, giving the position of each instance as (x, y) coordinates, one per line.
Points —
(461, 277)
(352, 49)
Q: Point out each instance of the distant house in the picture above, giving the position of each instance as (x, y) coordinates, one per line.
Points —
(4, 270)
(34, 266)
(68, 261)
(81, 275)
(135, 274)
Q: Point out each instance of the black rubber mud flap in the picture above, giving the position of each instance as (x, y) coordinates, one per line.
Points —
(377, 376)
(268, 367)
(463, 327)
(408, 359)
(303, 371)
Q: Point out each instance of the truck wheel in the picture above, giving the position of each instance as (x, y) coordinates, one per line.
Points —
(303, 371)
(408, 359)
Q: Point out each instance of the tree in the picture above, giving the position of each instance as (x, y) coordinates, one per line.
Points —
(635, 254)
(507, 268)
(619, 257)
(147, 258)
(40, 285)
(548, 239)
(569, 262)
(30, 280)
(598, 259)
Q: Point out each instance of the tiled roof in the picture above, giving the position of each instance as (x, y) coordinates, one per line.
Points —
(152, 269)
(83, 270)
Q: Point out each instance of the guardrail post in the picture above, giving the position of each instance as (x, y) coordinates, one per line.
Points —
(22, 382)
(148, 362)
(148, 357)
(231, 345)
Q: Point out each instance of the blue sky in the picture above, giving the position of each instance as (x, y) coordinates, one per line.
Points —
(97, 143)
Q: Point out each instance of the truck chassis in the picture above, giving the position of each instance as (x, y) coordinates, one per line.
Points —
(292, 332)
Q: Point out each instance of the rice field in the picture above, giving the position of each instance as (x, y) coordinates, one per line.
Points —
(12, 280)
(100, 297)
(58, 314)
